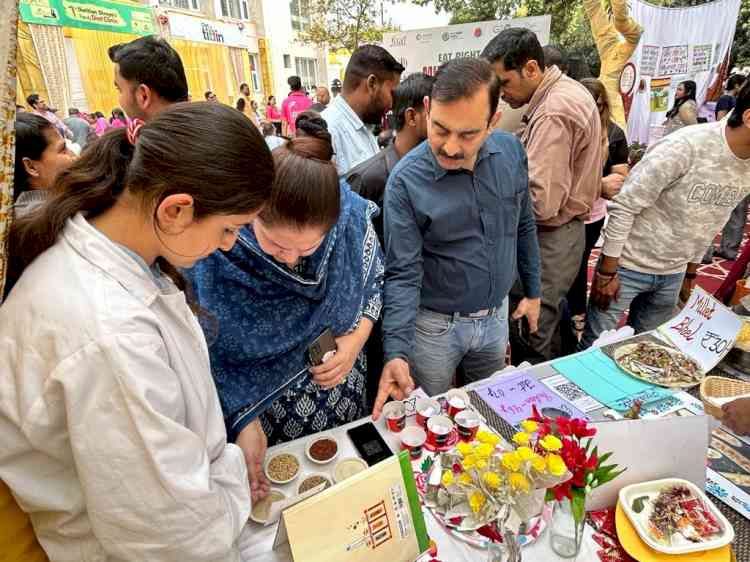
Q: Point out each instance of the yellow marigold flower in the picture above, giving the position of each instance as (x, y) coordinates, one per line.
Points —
(481, 463)
(477, 501)
(551, 443)
(465, 479)
(521, 438)
(447, 478)
(492, 480)
(511, 461)
(556, 465)
(484, 436)
(484, 450)
(538, 463)
(464, 448)
(469, 462)
(525, 454)
(529, 426)
(519, 482)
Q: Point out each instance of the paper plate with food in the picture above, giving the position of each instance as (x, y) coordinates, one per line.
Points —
(658, 364)
(674, 516)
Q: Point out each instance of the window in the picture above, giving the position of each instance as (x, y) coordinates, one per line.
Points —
(307, 70)
(237, 9)
(300, 10)
(287, 61)
(184, 4)
(255, 76)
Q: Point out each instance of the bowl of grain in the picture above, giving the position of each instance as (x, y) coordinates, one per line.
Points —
(322, 449)
(312, 480)
(282, 467)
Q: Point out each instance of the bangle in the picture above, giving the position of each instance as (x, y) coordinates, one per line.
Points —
(601, 273)
(691, 275)
(607, 281)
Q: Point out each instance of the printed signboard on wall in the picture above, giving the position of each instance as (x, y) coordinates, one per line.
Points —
(674, 60)
(424, 50)
(89, 14)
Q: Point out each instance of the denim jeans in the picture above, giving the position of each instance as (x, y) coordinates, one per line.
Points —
(652, 300)
(442, 341)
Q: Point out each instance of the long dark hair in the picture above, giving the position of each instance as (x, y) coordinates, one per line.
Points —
(31, 142)
(599, 92)
(690, 88)
(206, 150)
(306, 189)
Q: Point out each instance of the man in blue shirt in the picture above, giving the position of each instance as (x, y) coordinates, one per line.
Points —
(459, 227)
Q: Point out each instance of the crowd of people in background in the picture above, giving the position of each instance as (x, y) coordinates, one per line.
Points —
(165, 284)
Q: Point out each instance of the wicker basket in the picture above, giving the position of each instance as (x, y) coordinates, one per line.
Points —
(721, 387)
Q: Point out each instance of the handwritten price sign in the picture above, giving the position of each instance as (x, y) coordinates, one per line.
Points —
(704, 330)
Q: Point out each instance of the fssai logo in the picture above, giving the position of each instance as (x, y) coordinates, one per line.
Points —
(398, 41)
(452, 36)
(424, 37)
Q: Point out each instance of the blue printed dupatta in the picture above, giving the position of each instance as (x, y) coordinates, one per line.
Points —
(267, 315)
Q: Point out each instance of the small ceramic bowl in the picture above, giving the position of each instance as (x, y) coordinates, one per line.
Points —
(318, 476)
(274, 460)
(324, 437)
(261, 509)
(347, 468)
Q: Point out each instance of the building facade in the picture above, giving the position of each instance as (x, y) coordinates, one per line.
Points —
(218, 41)
(63, 53)
(283, 19)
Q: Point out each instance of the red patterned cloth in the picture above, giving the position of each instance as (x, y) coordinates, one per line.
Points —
(605, 535)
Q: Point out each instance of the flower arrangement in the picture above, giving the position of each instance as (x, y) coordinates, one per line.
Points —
(479, 478)
(570, 441)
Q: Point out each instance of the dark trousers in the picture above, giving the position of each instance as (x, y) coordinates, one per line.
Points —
(561, 251)
(731, 235)
(577, 295)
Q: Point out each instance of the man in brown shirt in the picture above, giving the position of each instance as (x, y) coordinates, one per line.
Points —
(561, 131)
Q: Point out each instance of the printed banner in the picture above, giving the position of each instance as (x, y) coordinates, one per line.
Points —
(89, 14)
(649, 59)
(205, 31)
(424, 50)
(660, 94)
(680, 43)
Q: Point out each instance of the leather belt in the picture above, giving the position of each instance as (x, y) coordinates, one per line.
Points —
(478, 314)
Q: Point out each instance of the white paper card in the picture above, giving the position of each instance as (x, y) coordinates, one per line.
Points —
(650, 450)
(704, 329)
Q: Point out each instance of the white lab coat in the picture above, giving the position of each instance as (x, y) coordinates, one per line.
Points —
(111, 433)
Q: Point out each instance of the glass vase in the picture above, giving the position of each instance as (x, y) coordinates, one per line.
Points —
(566, 534)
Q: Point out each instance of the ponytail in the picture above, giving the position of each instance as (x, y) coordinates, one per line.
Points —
(92, 185)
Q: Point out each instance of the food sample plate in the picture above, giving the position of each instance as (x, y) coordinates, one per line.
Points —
(674, 516)
(658, 364)
(639, 550)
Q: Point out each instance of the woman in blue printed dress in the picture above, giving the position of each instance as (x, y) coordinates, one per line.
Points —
(309, 262)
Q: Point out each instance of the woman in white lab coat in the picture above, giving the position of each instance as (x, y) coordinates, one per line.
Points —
(111, 433)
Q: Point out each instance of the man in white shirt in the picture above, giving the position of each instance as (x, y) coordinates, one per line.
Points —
(371, 76)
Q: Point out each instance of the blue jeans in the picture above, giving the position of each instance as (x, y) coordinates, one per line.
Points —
(442, 341)
(651, 299)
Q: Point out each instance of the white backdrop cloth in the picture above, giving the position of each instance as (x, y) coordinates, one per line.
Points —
(677, 44)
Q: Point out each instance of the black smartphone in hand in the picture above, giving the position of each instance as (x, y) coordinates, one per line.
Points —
(317, 350)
